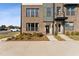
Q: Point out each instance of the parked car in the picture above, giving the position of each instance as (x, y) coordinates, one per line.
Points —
(14, 30)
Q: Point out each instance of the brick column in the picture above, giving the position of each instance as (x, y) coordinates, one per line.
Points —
(50, 29)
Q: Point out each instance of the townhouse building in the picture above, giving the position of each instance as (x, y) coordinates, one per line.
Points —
(49, 18)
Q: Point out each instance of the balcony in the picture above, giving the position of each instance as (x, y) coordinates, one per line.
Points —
(67, 4)
(60, 16)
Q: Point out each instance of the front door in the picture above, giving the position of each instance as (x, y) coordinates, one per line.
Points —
(60, 28)
(47, 29)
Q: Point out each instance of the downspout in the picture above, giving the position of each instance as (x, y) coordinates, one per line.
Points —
(64, 20)
(21, 20)
(53, 18)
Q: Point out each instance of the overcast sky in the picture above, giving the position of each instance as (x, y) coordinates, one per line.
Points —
(10, 14)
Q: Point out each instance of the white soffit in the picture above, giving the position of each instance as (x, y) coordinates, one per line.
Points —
(31, 3)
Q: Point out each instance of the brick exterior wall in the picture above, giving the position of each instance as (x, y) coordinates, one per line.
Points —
(42, 19)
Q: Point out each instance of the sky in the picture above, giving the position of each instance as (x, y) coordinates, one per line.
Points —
(10, 14)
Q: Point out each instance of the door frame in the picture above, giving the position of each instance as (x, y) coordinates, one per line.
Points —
(60, 27)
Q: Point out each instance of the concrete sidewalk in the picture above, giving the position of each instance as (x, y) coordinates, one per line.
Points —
(39, 48)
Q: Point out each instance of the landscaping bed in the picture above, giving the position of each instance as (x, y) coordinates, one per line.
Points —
(73, 35)
(29, 37)
(59, 38)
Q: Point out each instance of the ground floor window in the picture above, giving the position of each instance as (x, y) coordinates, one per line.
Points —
(31, 26)
(69, 26)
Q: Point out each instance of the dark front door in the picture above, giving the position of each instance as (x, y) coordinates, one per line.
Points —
(59, 29)
(47, 29)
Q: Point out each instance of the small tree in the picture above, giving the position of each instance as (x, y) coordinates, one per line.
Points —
(3, 27)
(11, 27)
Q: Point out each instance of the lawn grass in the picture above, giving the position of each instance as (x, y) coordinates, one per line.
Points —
(29, 37)
(59, 38)
(9, 34)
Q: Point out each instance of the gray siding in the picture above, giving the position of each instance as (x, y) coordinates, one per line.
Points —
(45, 6)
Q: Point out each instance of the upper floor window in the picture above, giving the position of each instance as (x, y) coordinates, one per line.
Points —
(28, 12)
(58, 10)
(32, 12)
(48, 12)
(70, 10)
(36, 12)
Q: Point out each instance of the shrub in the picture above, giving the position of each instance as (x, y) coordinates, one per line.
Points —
(72, 33)
(28, 38)
(59, 38)
(38, 34)
(27, 34)
(56, 33)
(13, 38)
(19, 36)
(67, 33)
(76, 33)
(34, 34)
(9, 39)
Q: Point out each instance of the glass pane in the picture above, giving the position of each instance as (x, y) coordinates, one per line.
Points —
(29, 26)
(48, 12)
(69, 26)
(36, 26)
(32, 26)
(32, 12)
(71, 10)
(28, 12)
(36, 12)
(68, 11)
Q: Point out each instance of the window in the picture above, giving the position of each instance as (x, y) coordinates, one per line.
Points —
(70, 10)
(48, 12)
(36, 12)
(31, 26)
(73, 11)
(28, 27)
(58, 10)
(32, 12)
(28, 12)
(69, 26)
(36, 27)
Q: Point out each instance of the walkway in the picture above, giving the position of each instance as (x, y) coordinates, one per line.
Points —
(51, 38)
(65, 37)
